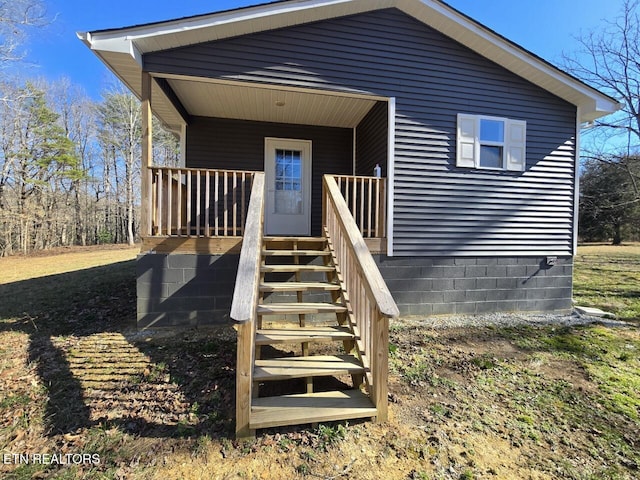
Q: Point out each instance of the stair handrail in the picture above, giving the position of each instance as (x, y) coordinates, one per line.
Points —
(245, 302)
(372, 305)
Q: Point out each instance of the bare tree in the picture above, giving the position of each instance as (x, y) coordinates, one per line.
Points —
(120, 131)
(16, 18)
(609, 60)
(78, 118)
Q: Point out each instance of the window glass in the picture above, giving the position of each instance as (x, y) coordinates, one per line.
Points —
(491, 156)
(288, 182)
(491, 130)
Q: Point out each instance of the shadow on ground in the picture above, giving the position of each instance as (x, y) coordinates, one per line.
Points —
(98, 370)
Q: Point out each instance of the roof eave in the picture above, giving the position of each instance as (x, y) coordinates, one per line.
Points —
(592, 110)
(135, 41)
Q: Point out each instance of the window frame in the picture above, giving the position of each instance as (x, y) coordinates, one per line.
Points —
(469, 143)
(492, 143)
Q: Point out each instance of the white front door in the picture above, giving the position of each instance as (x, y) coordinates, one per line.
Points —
(287, 166)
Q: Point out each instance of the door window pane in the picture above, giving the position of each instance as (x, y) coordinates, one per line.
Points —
(288, 182)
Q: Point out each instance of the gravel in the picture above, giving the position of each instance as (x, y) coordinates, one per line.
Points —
(510, 320)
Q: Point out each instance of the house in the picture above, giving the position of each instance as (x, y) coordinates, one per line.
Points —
(453, 151)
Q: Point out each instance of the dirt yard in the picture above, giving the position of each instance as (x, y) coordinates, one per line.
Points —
(514, 402)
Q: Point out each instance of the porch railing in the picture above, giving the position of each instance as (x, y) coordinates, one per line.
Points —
(371, 302)
(366, 199)
(187, 202)
(198, 202)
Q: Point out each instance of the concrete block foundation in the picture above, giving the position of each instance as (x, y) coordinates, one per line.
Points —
(190, 290)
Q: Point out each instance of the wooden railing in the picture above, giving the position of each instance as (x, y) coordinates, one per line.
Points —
(371, 302)
(366, 199)
(198, 202)
(245, 302)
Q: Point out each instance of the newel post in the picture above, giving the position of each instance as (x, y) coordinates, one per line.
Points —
(147, 157)
(244, 384)
(380, 363)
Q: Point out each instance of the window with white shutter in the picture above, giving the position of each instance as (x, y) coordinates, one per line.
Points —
(491, 143)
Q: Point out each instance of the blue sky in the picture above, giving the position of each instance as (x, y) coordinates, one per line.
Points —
(545, 27)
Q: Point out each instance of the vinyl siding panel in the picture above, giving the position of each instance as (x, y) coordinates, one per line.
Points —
(239, 145)
(371, 141)
(433, 78)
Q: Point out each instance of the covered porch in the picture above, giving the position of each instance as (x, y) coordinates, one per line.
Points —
(231, 130)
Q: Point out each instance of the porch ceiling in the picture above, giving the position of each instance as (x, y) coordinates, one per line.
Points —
(250, 102)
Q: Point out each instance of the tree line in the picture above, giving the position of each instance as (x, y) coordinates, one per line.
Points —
(70, 166)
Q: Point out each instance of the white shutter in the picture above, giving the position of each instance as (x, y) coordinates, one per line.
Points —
(467, 150)
(516, 145)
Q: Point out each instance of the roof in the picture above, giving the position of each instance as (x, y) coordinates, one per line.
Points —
(122, 49)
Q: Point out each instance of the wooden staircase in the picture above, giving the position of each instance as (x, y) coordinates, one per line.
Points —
(315, 295)
(302, 307)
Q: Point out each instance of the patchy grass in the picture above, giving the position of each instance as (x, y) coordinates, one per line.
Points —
(467, 403)
(63, 260)
(608, 277)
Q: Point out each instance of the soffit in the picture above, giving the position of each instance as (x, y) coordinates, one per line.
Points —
(250, 102)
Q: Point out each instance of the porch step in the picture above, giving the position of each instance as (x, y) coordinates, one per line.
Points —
(295, 253)
(301, 334)
(295, 268)
(295, 239)
(304, 367)
(298, 286)
(310, 408)
(300, 308)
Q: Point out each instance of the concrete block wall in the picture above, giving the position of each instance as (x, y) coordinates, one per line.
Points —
(185, 290)
(477, 285)
(188, 290)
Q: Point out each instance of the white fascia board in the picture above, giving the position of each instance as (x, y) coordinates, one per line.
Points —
(294, 11)
(113, 45)
(598, 108)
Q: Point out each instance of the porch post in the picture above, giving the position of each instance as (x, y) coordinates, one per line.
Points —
(147, 157)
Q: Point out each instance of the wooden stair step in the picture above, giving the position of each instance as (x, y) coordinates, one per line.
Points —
(298, 286)
(295, 268)
(295, 239)
(299, 308)
(302, 334)
(301, 367)
(310, 408)
(295, 253)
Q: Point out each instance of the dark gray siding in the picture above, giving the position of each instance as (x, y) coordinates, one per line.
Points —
(371, 140)
(440, 210)
(239, 145)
